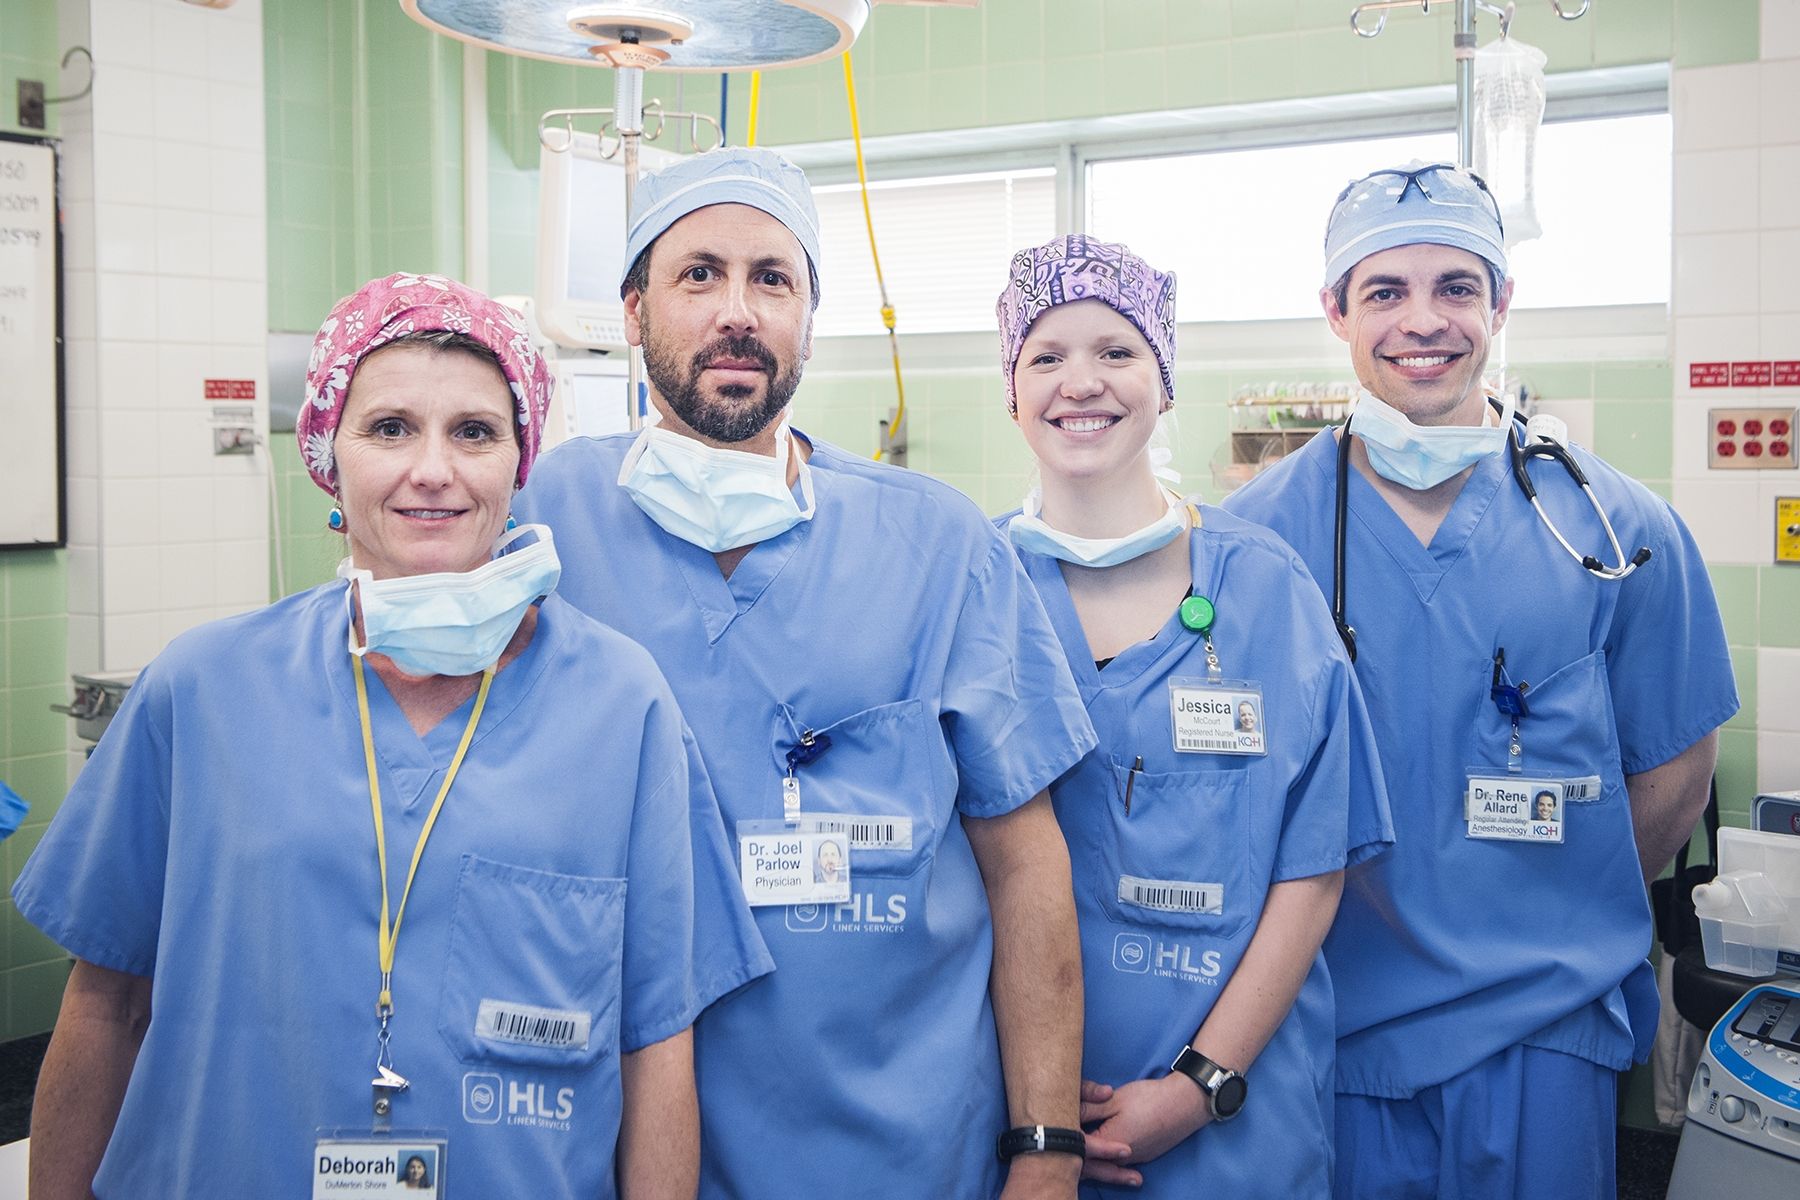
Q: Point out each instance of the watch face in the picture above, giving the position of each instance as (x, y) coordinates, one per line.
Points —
(1229, 1099)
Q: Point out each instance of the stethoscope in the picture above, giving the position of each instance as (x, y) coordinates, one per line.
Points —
(1542, 439)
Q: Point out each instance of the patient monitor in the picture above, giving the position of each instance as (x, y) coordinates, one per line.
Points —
(581, 239)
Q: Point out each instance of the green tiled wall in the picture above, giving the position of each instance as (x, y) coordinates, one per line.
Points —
(33, 630)
(28, 50)
(33, 762)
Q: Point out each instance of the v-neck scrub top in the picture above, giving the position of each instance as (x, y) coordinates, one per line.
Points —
(898, 622)
(220, 842)
(1453, 948)
(1314, 803)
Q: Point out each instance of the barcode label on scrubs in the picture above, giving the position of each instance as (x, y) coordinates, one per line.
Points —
(1172, 895)
(529, 1025)
(866, 833)
(1582, 791)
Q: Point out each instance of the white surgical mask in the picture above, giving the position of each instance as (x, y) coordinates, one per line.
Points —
(1029, 532)
(1422, 456)
(716, 499)
(454, 622)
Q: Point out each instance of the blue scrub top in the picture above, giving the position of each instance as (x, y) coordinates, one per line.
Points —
(898, 622)
(219, 841)
(1452, 949)
(1314, 803)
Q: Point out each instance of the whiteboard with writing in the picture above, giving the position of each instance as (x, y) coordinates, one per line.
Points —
(31, 434)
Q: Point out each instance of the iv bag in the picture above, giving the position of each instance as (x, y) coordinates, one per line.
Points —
(1509, 106)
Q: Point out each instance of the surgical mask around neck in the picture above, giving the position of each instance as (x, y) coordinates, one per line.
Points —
(1029, 531)
(1423, 456)
(716, 499)
(454, 622)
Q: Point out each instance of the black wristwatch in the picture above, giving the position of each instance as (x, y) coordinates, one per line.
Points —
(1040, 1139)
(1225, 1086)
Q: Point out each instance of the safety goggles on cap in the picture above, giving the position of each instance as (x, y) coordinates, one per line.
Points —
(1437, 203)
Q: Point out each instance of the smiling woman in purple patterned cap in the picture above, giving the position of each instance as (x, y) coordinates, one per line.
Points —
(1208, 857)
(281, 788)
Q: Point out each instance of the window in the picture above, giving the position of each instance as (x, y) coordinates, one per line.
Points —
(945, 244)
(1243, 229)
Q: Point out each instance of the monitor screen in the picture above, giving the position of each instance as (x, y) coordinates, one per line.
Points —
(581, 238)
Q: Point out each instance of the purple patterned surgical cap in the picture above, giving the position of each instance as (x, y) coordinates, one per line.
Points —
(1079, 267)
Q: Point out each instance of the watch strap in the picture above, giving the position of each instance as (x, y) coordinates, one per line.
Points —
(1225, 1087)
(1040, 1139)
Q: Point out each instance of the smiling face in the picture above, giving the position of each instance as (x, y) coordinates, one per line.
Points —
(1246, 717)
(1089, 393)
(830, 859)
(1546, 807)
(415, 1170)
(426, 457)
(1420, 321)
(725, 320)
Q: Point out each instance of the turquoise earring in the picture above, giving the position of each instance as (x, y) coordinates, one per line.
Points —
(334, 520)
(511, 523)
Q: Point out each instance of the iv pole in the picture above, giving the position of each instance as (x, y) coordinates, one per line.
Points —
(1464, 44)
(629, 53)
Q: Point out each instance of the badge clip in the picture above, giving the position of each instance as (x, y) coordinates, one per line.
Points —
(804, 753)
(1509, 698)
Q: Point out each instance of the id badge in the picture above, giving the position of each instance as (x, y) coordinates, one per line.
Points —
(405, 1163)
(1223, 717)
(779, 863)
(1499, 806)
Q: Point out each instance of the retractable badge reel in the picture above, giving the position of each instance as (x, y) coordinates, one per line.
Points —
(1214, 715)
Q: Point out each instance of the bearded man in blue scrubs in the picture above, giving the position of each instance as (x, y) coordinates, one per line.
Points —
(858, 652)
(1495, 665)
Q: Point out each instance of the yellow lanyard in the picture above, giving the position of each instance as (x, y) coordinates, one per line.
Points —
(390, 935)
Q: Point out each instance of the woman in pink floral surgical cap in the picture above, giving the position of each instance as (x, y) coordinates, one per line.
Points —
(1208, 850)
(421, 857)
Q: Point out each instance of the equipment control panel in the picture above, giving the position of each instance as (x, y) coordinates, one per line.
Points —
(1748, 1082)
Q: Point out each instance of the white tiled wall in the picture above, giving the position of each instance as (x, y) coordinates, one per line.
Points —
(167, 288)
(1736, 296)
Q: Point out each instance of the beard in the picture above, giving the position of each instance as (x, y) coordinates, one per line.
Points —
(730, 413)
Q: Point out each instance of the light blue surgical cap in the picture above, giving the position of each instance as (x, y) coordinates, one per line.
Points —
(1436, 203)
(748, 175)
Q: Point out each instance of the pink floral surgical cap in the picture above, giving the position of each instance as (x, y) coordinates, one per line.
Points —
(384, 309)
(1078, 267)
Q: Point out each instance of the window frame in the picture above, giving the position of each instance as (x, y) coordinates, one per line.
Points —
(1072, 148)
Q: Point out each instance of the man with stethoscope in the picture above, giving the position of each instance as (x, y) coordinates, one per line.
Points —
(1499, 662)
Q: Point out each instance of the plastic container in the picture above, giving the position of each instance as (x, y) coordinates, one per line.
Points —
(1741, 918)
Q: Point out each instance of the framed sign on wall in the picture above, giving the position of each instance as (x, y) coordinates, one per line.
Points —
(32, 472)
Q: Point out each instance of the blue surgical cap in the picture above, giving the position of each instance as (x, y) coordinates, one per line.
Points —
(748, 175)
(1435, 203)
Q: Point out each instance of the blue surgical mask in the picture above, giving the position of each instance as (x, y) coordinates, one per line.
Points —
(1028, 531)
(1422, 456)
(454, 622)
(716, 499)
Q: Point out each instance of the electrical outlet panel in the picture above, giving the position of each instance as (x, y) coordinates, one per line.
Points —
(1750, 439)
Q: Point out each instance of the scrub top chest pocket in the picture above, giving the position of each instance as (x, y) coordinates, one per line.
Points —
(1176, 849)
(533, 972)
(1567, 732)
(886, 780)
